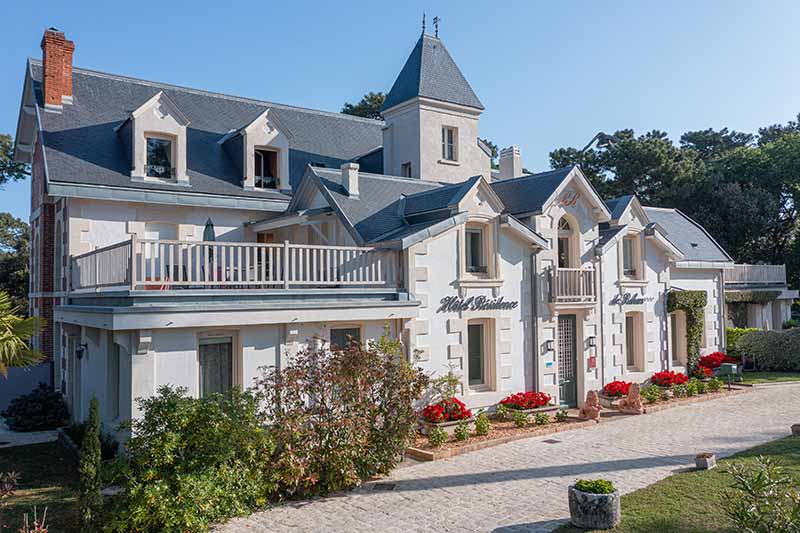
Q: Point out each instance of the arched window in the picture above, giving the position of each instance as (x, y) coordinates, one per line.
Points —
(563, 225)
(567, 244)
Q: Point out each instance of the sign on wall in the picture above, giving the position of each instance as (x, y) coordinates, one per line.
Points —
(569, 198)
(454, 304)
(630, 299)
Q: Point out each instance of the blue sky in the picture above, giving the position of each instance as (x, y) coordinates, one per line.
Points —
(550, 74)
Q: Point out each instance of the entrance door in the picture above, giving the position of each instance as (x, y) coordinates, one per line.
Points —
(567, 361)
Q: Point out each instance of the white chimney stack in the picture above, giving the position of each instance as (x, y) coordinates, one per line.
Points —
(350, 179)
(510, 162)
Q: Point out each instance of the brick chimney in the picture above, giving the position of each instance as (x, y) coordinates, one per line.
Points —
(510, 162)
(350, 179)
(57, 65)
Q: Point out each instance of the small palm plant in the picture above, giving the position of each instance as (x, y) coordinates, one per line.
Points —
(15, 332)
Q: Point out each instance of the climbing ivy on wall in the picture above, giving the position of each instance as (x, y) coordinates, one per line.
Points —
(692, 303)
(751, 297)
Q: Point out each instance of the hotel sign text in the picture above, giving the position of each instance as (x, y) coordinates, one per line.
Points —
(454, 304)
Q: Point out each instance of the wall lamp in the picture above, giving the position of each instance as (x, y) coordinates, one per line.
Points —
(592, 341)
(80, 351)
(548, 345)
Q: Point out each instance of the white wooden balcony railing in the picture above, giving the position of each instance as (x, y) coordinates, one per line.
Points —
(149, 264)
(572, 285)
(743, 274)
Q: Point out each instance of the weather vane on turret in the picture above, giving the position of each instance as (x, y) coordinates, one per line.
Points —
(436, 21)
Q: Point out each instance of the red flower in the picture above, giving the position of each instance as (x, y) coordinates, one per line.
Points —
(668, 378)
(714, 360)
(617, 388)
(702, 372)
(526, 400)
(446, 410)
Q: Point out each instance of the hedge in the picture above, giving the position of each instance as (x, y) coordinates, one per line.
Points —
(733, 336)
(775, 351)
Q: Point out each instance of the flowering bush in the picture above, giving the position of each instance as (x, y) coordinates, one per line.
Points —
(446, 410)
(526, 400)
(617, 388)
(668, 378)
(702, 372)
(714, 360)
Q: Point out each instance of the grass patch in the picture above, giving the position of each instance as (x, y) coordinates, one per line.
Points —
(770, 377)
(692, 501)
(48, 479)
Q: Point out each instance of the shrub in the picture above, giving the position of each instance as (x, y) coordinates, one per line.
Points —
(502, 411)
(192, 461)
(541, 419)
(617, 388)
(561, 415)
(90, 499)
(733, 335)
(341, 416)
(462, 431)
(519, 418)
(437, 437)
(691, 388)
(446, 386)
(446, 410)
(765, 499)
(714, 385)
(42, 408)
(776, 351)
(668, 378)
(482, 424)
(109, 446)
(791, 323)
(651, 393)
(700, 386)
(680, 391)
(526, 400)
(595, 486)
(9, 483)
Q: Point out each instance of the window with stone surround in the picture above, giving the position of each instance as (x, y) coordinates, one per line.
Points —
(160, 157)
(449, 143)
(480, 353)
(634, 342)
(266, 169)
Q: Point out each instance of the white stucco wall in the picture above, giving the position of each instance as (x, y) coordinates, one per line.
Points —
(696, 279)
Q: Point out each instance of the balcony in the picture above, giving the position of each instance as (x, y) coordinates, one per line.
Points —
(159, 265)
(572, 285)
(743, 275)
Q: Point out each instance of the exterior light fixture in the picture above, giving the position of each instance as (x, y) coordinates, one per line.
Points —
(80, 350)
(592, 341)
(548, 345)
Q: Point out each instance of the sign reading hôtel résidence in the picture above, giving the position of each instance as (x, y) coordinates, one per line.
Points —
(454, 304)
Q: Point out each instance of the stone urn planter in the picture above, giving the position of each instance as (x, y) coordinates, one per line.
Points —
(705, 461)
(609, 402)
(448, 427)
(796, 430)
(594, 511)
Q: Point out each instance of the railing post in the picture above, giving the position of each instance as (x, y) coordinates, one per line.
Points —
(286, 264)
(132, 268)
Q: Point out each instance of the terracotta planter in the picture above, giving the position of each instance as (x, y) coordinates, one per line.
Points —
(448, 427)
(705, 461)
(594, 511)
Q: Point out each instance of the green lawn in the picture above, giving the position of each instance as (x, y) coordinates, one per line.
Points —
(690, 501)
(48, 479)
(770, 377)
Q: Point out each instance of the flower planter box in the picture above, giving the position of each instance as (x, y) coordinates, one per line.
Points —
(705, 461)
(594, 511)
(545, 409)
(448, 427)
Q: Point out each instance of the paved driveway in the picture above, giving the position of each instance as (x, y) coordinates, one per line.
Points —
(522, 486)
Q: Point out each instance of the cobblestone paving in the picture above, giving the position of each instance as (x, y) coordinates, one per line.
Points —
(522, 486)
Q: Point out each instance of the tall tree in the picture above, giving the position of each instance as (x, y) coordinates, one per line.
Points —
(14, 257)
(369, 106)
(774, 132)
(15, 334)
(10, 170)
(711, 143)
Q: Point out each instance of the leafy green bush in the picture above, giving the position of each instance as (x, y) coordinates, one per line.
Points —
(109, 446)
(90, 499)
(733, 335)
(482, 424)
(462, 431)
(519, 418)
(699, 386)
(691, 388)
(193, 461)
(541, 419)
(595, 486)
(502, 412)
(650, 393)
(765, 499)
(43, 408)
(562, 415)
(680, 391)
(437, 437)
(339, 416)
(714, 384)
(772, 351)
(791, 323)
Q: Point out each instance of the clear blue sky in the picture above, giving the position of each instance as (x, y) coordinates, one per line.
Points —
(550, 74)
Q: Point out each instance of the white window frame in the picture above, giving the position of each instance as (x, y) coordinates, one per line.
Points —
(276, 178)
(488, 229)
(449, 143)
(237, 365)
(488, 346)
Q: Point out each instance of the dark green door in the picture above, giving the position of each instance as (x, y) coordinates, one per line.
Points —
(567, 361)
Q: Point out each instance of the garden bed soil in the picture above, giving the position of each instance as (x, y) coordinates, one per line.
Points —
(502, 431)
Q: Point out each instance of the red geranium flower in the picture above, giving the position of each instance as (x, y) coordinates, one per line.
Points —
(526, 400)
(702, 372)
(668, 378)
(617, 388)
(714, 360)
(446, 410)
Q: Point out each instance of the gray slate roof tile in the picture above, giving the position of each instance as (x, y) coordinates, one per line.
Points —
(528, 194)
(687, 235)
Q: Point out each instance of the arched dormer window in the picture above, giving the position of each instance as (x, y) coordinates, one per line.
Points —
(567, 242)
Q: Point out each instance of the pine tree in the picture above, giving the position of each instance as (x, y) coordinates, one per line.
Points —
(89, 470)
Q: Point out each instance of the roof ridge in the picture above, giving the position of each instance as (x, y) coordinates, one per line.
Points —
(529, 176)
(243, 99)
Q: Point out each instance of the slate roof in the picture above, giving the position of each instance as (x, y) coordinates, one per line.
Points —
(617, 206)
(81, 145)
(607, 233)
(431, 72)
(687, 235)
(528, 194)
(440, 198)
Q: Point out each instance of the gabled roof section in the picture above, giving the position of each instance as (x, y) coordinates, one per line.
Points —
(444, 197)
(694, 242)
(619, 206)
(430, 72)
(272, 118)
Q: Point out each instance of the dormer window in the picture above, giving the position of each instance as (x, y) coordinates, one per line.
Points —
(159, 158)
(266, 169)
(449, 143)
(405, 170)
(476, 255)
(631, 257)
